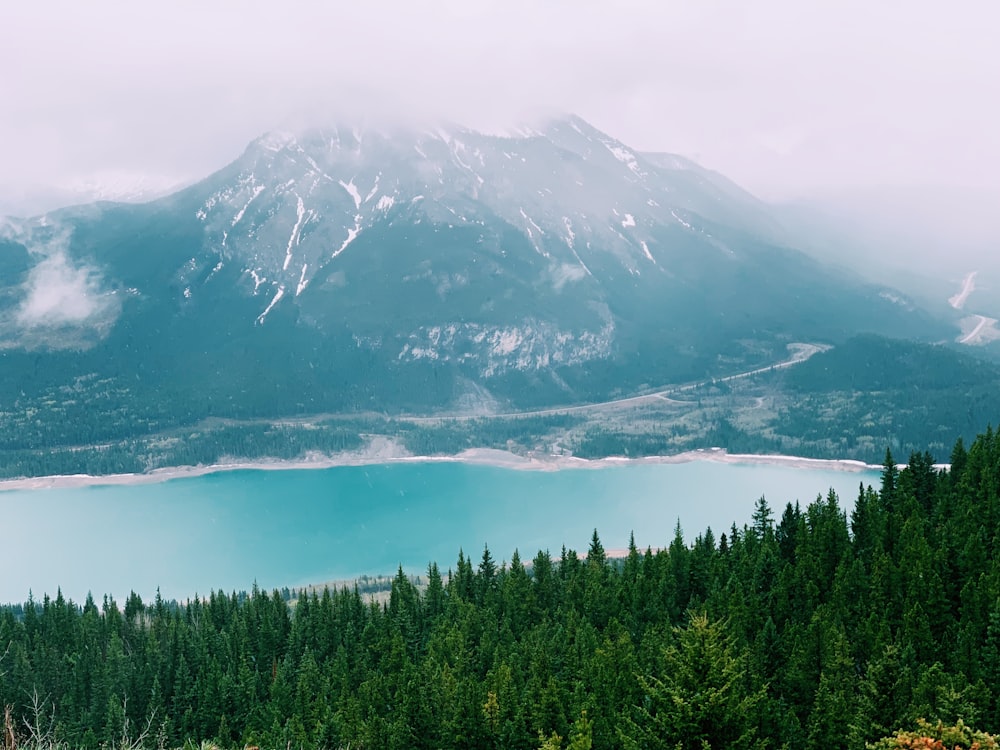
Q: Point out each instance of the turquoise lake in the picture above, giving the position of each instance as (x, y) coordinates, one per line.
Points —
(227, 530)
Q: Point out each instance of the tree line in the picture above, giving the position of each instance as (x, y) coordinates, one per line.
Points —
(806, 628)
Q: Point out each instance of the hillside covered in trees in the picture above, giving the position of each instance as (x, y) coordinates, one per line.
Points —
(808, 628)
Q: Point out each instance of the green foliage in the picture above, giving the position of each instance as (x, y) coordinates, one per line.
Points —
(698, 696)
(938, 736)
(871, 392)
(580, 736)
(849, 402)
(811, 631)
(875, 364)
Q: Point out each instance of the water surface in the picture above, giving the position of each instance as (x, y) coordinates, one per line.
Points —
(286, 528)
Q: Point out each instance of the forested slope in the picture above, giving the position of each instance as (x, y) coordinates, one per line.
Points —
(810, 629)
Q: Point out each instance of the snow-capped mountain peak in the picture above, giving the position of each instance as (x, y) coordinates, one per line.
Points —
(381, 267)
(296, 202)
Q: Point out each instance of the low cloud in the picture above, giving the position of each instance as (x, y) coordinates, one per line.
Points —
(566, 273)
(63, 303)
(59, 293)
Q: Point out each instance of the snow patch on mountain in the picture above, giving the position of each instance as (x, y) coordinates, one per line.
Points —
(257, 279)
(895, 299)
(570, 240)
(300, 212)
(626, 157)
(352, 234)
(532, 222)
(532, 345)
(302, 280)
(276, 141)
(257, 190)
(968, 287)
(645, 250)
(241, 192)
(552, 188)
(978, 330)
(374, 190)
(570, 234)
(352, 190)
(277, 296)
(681, 221)
(117, 185)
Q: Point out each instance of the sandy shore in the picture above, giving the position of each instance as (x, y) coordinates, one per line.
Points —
(383, 451)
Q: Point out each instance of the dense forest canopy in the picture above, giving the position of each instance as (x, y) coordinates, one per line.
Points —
(805, 628)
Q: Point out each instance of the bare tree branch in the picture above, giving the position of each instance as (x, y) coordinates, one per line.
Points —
(4, 656)
(41, 726)
(9, 735)
(126, 741)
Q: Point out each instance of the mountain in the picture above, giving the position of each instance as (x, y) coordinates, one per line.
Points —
(108, 185)
(359, 270)
(926, 241)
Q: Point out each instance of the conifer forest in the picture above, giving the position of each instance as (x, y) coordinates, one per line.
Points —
(807, 628)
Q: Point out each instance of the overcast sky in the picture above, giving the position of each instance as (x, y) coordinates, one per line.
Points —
(783, 96)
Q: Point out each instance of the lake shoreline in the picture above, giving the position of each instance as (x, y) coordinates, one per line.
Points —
(388, 452)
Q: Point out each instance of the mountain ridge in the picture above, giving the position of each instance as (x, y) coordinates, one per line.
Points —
(344, 270)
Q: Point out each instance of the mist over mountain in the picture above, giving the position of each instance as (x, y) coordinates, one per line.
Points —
(923, 239)
(434, 270)
(105, 185)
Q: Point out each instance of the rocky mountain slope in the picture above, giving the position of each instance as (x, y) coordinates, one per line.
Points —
(409, 271)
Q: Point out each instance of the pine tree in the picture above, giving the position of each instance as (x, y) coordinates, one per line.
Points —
(698, 696)
(434, 596)
(890, 476)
